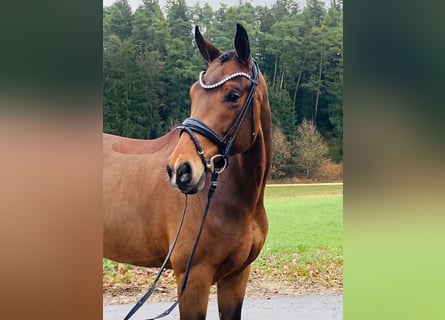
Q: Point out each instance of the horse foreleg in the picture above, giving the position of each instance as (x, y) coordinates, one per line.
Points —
(194, 300)
(231, 292)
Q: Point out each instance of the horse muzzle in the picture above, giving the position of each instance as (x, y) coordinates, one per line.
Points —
(184, 180)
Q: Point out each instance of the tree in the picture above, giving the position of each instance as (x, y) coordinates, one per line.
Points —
(121, 19)
(203, 17)
(282, 157)
(311, 150)
(334, 79)
(150, 31)
(179, 22)
(283, 8)
(316, 10)
(282, 112)
(180, 73)
(132, 65)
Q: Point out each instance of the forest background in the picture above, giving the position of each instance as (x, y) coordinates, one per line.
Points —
(150, 61)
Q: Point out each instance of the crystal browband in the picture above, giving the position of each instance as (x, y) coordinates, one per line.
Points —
(220, 83)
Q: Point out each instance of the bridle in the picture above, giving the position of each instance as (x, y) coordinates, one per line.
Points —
(225, 143)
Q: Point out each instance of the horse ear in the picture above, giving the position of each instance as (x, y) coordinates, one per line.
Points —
(208, 50)
(242, 46)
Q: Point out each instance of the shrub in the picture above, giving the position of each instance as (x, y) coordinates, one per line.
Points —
(282, 156)
(311, 150)
(330, 171)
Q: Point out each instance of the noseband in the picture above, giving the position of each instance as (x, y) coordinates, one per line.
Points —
(224, 144)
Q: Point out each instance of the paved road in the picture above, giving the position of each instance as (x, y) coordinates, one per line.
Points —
(323, 307)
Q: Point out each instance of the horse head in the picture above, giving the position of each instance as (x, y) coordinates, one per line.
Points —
(225, 114)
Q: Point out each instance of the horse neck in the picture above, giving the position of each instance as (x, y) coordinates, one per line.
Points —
(253, 165)
(262, 149)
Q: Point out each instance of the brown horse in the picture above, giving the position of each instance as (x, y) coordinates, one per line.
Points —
(142, 203)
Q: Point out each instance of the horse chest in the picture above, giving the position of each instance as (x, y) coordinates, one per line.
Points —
(237, 247)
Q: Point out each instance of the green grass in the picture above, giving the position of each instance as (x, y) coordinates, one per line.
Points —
(304, 220)
(305, 232)
(279, 192)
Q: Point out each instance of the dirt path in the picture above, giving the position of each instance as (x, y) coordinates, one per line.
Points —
(264, 289)
(259, 286)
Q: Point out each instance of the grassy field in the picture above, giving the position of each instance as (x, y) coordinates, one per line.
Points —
(305, 240)
(304, 246)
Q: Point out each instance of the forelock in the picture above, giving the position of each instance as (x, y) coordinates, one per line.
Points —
(227, 56)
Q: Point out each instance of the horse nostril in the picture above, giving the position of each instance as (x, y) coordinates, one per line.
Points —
(184, 174)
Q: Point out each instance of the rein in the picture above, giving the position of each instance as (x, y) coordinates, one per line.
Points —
(213, 185)
(191, 125)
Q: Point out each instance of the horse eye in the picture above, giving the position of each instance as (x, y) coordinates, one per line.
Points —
(232, 97)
